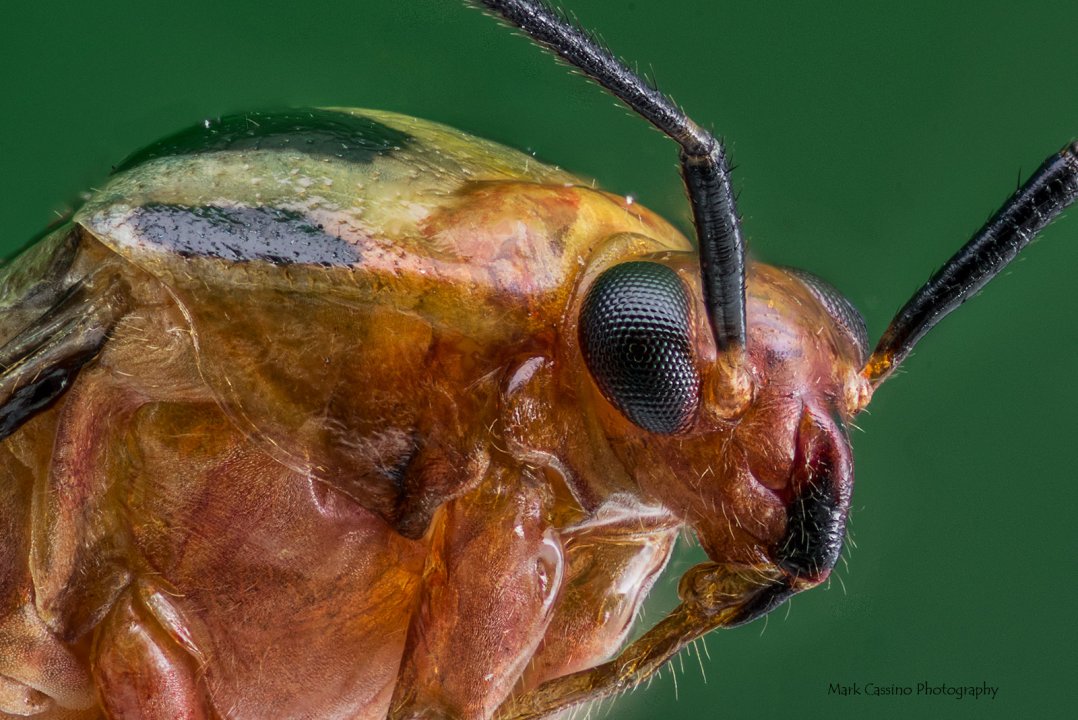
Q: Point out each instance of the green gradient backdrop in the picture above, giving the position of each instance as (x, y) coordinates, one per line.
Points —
(871, 139)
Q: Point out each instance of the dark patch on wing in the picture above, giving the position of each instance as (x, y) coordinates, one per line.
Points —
(325, 133)
(241, 234)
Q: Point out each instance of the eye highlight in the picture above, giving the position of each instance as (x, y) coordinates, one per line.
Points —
(636, 338)
(838, 307)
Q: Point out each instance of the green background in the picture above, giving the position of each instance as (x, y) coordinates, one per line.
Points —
(871, 138)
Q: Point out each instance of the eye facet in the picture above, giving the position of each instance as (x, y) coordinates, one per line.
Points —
(636, 338)
(838, 307)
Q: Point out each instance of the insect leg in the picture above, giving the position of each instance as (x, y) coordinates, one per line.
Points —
(1046, 194)
(38, 672)
(713, 596)
(493, 572)
(704, 166)
(141, 671)
(79, 544)
(610, 569)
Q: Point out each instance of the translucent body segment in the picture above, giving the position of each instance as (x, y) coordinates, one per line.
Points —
(492, 574)
(38, 671)
(610, 567)
(78, 553)
(295, 600)
(141, 674)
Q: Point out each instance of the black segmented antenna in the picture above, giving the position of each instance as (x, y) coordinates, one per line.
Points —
(703, 159)
(1047, 193)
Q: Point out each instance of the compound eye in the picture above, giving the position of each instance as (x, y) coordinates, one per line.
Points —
(838, 307)
(635, 336)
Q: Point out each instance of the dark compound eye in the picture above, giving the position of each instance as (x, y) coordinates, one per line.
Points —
(635, 335)
(836, 304)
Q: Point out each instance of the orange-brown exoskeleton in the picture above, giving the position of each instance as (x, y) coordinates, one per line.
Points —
(342, 414)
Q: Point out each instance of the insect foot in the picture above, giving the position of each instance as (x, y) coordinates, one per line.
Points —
(711, 588)
(713, 595)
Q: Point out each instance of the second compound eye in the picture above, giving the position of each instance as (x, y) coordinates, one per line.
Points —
(636, 338)
(838, 307)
